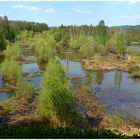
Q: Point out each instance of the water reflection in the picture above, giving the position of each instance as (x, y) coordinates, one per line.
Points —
(117, 78)
(136, 48)
(5, 95)
(117, 89)
(73, 68)
(30, 68)
(72, 56)
(36, 81)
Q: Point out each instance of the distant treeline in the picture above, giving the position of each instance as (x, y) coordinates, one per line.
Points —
(132, 33)
(10, 29)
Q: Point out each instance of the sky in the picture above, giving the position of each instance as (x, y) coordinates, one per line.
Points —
(55, 13)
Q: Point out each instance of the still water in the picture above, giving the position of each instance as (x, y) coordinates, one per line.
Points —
(117, 89)
(136, 48)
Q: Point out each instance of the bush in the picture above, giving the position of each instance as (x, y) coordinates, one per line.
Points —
(112, 45)
(13, 52)
(56, 96)
(24, 37)
(85, 44)
(11, 70)
(121, 46)
(45, 49)
(24, 89)
(75, 43)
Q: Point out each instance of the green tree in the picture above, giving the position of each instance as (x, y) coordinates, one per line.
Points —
(102, 33)
(121, 47)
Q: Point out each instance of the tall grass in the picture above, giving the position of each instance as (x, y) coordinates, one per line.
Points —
(24, 89)
(11, 70)
(13, 52)
(43, 51)
(56, 98)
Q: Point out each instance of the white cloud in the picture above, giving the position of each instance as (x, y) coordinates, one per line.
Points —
(30, 8)
(82, 11)
(133, 1)
(50, 10)
(128, 1)
(130, 17)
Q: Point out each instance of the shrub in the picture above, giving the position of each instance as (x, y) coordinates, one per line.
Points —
(25, 36)
(11, 70)
(44, 50)
(56, 96)
(13, 52)
(121, 46)
(112, 45)
(85, 44)
(75, 43)
(86, 51)
(100, 49)
(134, 69)
(24, 89)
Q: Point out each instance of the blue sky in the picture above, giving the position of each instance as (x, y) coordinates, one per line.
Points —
(72, 12)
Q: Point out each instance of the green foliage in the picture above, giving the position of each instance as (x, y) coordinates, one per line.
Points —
(100, 49)
(115, 121)
(6, 32)
(56, 96)
(134, 69)
(9, 30)
(24, 89)
(120, 45)
(112, 45)
(13, 52)
(11, 70)
(3, 43)
(25, 37)
(88, 47)
(6, 107)
(57, 36)
(77, 42)
(85, 44)
(102, 33)
(44, 49)
(45, 133)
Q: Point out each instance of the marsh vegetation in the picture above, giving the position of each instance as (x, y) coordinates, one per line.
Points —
(61, 76)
